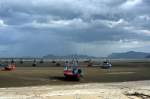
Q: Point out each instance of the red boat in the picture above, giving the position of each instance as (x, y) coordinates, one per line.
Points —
(9, 67)
(72, 71)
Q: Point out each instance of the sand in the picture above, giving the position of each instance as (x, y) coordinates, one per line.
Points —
(123, 90)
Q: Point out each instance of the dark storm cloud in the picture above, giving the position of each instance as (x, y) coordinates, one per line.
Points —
(68, 26)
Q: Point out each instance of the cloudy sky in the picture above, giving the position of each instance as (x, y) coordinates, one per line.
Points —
(60, 27)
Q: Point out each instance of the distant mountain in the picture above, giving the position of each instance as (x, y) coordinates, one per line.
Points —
(129, 55)
(148, 56)
(68, 56)
(50, 56)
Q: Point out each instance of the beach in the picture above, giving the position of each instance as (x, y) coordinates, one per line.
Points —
(120, 90)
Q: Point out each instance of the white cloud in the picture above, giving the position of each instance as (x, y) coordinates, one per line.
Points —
(113, 24)
(72, 23)
(2, 24)
(137, 30)
(129, 4)
(143, 31)
(128, 44)
(145, 17)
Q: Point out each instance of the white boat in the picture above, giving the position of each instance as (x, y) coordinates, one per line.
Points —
(106, 65)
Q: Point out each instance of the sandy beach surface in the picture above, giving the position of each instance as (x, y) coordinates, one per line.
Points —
(122, 90)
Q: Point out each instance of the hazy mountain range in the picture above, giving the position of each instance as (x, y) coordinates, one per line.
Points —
(124, 55)
(148, 56)
(121, 55)
(69, 56)
(130, 55)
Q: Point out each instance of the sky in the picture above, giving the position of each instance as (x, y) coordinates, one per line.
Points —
(62, 27)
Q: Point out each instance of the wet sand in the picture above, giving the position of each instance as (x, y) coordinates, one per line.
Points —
(38, 76)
